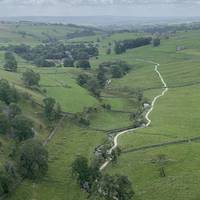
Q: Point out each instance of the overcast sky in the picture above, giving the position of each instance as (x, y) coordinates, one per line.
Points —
(147, 8)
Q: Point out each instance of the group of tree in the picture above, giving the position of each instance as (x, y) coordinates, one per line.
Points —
(68, 62)
(8, 178)
(8, 94)
(96, 82)
(84, 64)
(137, 116)
(113, 187)
(29, 158)
(81, 33)
(15, 124)
(30, 161)
(90, 83)
(122, 46)
(84, 174)
(22, 128)
(31, 78)
(156, 42)
(171, 28)
(45, 55)
(10, 62)
(52, 110)
(116, 69)
(101, 186)
(83, 118)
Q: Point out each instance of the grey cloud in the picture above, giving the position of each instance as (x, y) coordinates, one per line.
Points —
(97, 2)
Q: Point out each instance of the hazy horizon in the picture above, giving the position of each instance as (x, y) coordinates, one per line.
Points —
(136, 8)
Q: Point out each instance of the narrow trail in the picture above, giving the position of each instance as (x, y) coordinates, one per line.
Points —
(55, 130)
(115, 141)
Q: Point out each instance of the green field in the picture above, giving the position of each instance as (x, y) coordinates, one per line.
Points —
(175, 117)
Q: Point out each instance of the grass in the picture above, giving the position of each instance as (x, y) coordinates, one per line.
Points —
(63, 149)
(59, 83)
(119, 103)
(176, 116)
(105, 120)
(182, 173)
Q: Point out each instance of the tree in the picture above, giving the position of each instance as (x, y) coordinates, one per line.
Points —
(119, 48)
(98, 40)
(6, 182)
(4, 124)
(108, 51)
(161, 161)
(11, 169)
(116, 71)
(49, 104)
(115, 154)
(114, 187)
(58, 111)
(82, 79)
(84, 64)
(156, 42)
(94, 87)
(22, 128)
(82, 55)
(33, 160)
(68, 62)
(42, 62)
(8, 94)
(31, 78)
(102, 78)
(107, 187)
(13, 110)
(122, 46)
(10, 62)
(81, 170)
(124, 190)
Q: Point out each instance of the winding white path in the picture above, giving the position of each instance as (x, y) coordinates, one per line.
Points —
(146, 116)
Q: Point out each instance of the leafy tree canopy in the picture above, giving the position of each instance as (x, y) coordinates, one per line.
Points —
(33, 160)
(10, 62)
(22, 128)
(31, 78)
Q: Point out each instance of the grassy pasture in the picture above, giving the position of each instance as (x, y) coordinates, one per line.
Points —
(63, 149)
(59, 83)
(176, 116)
(181, 168)
(105, 120)
(33, 33)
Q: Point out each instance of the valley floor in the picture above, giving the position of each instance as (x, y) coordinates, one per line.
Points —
(175, 117)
